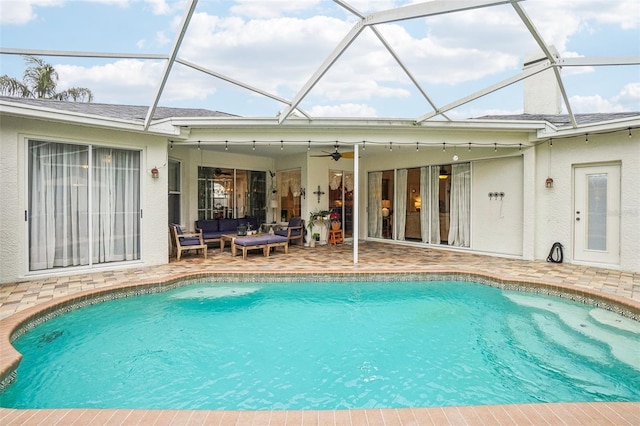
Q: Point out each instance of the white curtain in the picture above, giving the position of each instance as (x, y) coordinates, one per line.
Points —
(434, 206)
(58, 205)
(375, 205)
(424, 197)
(401, 200)
(62, 181)
(116, 206)
(459, 227)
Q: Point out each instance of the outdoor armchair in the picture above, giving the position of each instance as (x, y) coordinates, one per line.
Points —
(184, 241)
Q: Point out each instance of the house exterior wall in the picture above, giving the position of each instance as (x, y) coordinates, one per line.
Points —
(14, 135)
(497, 223)
(524, 224)
(554, 211)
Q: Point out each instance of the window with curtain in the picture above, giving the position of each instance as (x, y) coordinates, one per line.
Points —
(84, 205)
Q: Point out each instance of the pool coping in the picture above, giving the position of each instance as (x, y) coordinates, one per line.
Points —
(18, 323)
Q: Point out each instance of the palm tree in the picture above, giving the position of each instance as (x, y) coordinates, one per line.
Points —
(39, 81)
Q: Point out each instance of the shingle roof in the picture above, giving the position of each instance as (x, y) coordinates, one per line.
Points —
(563, 120)
(138, 112)
(123, 112)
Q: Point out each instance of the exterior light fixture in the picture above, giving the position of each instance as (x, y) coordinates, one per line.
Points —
(155, 173)
(548, 183)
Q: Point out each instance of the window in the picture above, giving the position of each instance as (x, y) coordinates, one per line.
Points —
(230, 193)
(84, 205)
(175, 196)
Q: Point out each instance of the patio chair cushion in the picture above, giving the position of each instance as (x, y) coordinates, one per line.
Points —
(253, 221)
(207, 226)
(227, 225)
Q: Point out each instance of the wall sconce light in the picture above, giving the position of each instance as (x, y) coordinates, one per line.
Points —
(155, 173)
(548, 183)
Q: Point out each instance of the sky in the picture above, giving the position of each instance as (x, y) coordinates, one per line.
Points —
(276, 46)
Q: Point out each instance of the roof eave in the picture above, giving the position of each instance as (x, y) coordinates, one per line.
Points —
(599, 127)
(69, 117)
(395, 123)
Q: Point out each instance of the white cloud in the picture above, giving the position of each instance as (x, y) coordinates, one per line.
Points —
(19, 12)
(161, 39)
(120, 3)
(627, 99)
(160, 7)
(592, 104)
(260, 9)
(559, 21)
(123, 81)
(343, 110)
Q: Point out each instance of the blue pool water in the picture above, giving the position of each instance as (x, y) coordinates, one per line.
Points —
(327, 346)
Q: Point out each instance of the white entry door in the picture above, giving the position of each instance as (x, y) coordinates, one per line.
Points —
(597, 214)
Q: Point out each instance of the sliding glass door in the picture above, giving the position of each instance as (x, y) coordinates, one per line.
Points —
(84, 205)
(430, 204)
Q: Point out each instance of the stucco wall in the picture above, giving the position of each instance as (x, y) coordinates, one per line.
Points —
(497, 225)
(14, 135)
(555, 218)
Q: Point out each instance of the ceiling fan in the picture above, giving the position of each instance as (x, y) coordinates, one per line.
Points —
(336, 155)
(217, 172)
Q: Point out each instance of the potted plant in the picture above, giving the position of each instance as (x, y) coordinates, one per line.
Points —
(334, 217)
(316, 217)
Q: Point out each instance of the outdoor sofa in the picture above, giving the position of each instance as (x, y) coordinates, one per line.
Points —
(213, 229)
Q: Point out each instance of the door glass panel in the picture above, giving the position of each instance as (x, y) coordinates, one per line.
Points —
(413, 206)
(341, 199)
(388, 187)
(256, 195)
(597, 212)
(289, 194)
(58, 205)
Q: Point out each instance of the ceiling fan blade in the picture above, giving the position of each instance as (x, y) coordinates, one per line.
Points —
(348, 155)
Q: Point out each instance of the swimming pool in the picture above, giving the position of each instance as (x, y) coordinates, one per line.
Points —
(324, 345)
